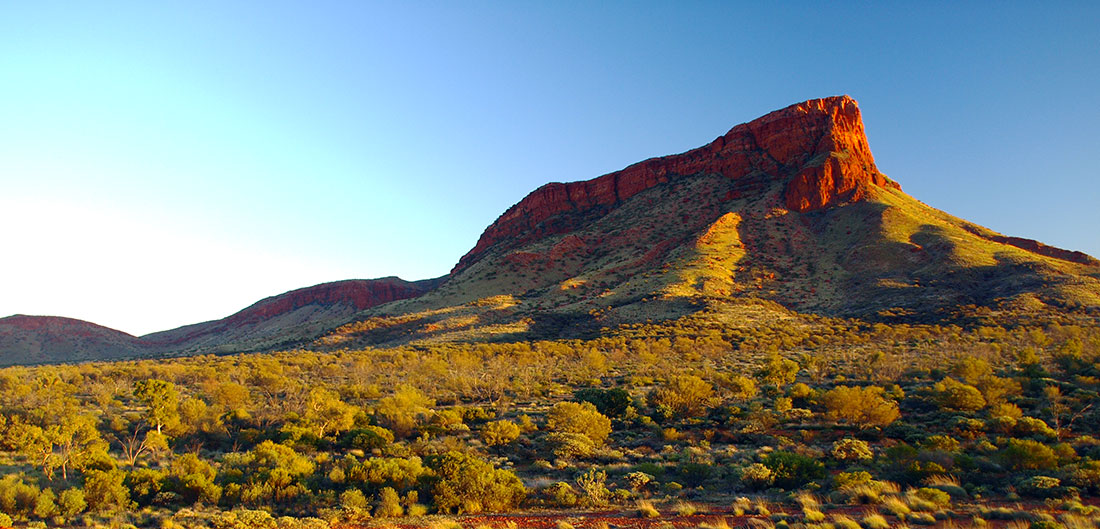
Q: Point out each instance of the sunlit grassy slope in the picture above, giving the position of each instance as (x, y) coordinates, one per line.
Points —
(705, 240)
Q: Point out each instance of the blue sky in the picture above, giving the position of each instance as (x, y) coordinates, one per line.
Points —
(169, 163)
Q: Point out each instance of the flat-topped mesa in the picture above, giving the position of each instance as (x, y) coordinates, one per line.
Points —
(818, 147)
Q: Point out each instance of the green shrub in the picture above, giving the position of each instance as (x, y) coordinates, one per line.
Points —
(955, 395)
(793, 470)
(389, 504)
(757, 477)
(71, 502)
(561, 494)
(579, 418)
(353, 501)
(863, 407)
(498, 433)
(467, 484)
(684, 396)
(1034, 427)
(921, 518)
(104, 490)
(851, 450)
(609, 402)
(936, 497)
(1025, 454)
(367, 438)
(569, 445)
(1041, 487)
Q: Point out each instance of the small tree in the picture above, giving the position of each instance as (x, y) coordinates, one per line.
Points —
(326, 413)
(400, 412)
(161, 400)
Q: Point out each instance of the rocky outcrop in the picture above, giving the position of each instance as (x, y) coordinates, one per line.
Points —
(818, 147)
(1047, 250)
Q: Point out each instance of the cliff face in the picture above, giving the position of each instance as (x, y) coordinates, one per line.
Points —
(818, 147)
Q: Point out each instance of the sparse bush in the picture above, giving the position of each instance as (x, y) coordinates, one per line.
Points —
(646, 509)
(609, 402)
(757, 476)
(955, 395)
(579, 418)
(793, 470)
(683, 508)
(851, 450)
(593, 483)
(684, 395)
(863, 407)
(638, 480)
(875, 521)
(467, 484)
(1025, 454)
(498, 433)
(389, 504)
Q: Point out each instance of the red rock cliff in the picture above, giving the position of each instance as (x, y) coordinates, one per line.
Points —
(818, 146)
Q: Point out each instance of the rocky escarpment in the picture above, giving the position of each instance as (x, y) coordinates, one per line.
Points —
(818, 147)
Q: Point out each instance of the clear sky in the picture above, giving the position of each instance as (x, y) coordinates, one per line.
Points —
(165, 163)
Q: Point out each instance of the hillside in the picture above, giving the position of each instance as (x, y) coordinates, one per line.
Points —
(288, 318)
(784, 217)
(273, 322)
(46, 339)
(789, 208)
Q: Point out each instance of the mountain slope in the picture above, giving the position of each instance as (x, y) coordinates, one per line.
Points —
(46, 339)
(288, 318)
(284, 320)
(789, 208)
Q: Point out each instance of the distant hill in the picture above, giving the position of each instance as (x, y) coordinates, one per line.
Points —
(49, 339)
(784, 216)
(286, 319)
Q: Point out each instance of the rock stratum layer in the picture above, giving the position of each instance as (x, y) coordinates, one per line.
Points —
(818, 146)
